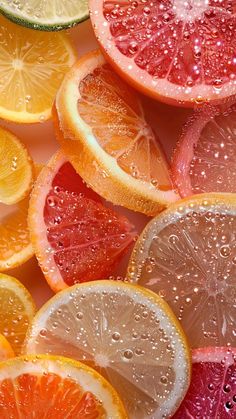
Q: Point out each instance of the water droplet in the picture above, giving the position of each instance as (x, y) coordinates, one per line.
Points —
(116, 336)
(128, 354)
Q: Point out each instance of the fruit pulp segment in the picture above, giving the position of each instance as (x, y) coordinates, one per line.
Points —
(47, 396)
(115, 116)
(213, 167)
(213, 389)
(186, 42)
(86, 238)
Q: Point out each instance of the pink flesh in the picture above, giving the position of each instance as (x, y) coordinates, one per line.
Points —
(212, 392)
(205, 160)
(185, 53)
(87, 238)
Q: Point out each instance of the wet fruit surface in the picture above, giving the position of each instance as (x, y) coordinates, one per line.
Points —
(126, 333)
(188, 256)
(84, 240)
(205, 158)
(178, 49)
(212, 392)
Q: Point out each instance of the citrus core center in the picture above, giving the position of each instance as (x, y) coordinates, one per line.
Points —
(17, 64)
(189, 10)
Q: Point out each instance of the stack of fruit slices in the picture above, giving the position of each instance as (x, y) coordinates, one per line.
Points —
(161, 342)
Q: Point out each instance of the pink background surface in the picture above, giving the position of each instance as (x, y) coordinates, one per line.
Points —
(40, 140)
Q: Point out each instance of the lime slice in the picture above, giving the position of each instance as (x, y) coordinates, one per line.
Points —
(52, 15)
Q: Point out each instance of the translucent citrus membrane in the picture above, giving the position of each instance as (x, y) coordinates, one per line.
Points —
(124, 332)
(188, 256)
(204, 159)
(186, 43)
(16, 170)
(32, 67)
(6, 350)
(212, 392)
(116, 119)
(87, 239)
(16, 311)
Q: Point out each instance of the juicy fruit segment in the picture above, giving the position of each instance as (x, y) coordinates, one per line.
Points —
(188, 256)
(75, 236)
(102, 130)
(172, 50)
(6, 350)
(32, 68)
(55, 387)
(212, 392)
(54, 15)
(16, 170)
(16, 311)
(125, 332)
(205, 158)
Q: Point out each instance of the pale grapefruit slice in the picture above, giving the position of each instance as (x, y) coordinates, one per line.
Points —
(75, 237)
(181, 52)
(55, 387)
(187, 255)
(205, 158)
(101, 128)
(212, 392)
(126, 332)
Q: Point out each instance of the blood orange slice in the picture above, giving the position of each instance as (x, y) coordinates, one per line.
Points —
(178, 51)
(75, 237)
(212, 392)
(205, 158)
(55, 387)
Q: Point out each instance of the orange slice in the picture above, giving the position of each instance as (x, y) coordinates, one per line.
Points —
(16, 169)
(6, 350)
(32, 68)
(16, 311)
(55, 387)
(127, 333)
(102, 130)
(15, 244)
(188, 256)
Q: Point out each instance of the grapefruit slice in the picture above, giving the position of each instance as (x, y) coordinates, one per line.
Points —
(75, 237)
(182, 52)
(55, 387)
(102, 130)
(205, 158)
(126, 332)
(212, 392)
(17, 309)
(187, 255)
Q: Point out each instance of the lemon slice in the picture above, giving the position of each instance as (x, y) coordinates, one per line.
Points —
(127, 333)
(17, 309)
(16, 169)
(32, 67)
(188, 256)
(55, 387)
(6, 350)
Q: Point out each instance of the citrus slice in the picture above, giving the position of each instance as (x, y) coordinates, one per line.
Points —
(32, 68)
(126, 332)
(205, 158)
(16, 311)
(75, 237)
(102, 130)
(51, 16)
(212, 392)
(188, 256)
(15, 243)
(180, 52)
(6, 350)
(16, 169)
(55, 387)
